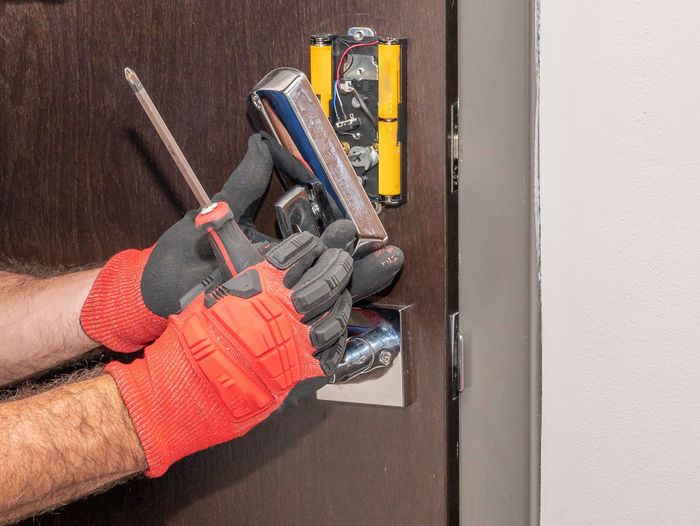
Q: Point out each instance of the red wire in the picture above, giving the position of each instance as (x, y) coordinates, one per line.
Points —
(337, 82)
(342, 58)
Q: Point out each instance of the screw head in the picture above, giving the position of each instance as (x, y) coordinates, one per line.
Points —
(384, 357)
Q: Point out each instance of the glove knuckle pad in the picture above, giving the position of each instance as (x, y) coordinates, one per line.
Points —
(333, 326)
(326, 333)
(219, 368)
(330, 281)
(291, 250)
(297, 270)
(264, 342)
(330, 358)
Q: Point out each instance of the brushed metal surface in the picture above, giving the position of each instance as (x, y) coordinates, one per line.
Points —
(499, 294)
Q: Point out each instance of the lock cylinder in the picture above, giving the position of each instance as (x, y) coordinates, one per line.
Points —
(321, 70)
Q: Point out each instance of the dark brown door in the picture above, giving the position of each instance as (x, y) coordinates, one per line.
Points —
(83, 175)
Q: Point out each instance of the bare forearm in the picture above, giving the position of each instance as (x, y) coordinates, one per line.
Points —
(40, 322)
(62, 444)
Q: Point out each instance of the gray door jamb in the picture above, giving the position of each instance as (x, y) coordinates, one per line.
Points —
(499, 299)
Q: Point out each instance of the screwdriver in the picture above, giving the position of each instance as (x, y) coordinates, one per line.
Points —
(233, 251)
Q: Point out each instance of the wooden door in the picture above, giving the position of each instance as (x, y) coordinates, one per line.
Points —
(83, 175)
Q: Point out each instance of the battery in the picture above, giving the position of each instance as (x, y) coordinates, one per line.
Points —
(389, 159)
(389, 60)
(321, 56)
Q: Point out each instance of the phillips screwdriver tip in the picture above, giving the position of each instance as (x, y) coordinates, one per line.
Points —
(133, 80)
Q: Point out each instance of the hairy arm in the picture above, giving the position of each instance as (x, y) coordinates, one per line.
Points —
(62, 444)
(40, 322)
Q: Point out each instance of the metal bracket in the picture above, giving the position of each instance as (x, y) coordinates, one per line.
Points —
(457, 355)
(363, 67)
(358, 33)
(374, 369)
(453, 141)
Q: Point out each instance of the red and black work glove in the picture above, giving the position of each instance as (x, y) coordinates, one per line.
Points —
(235, 354)
(137, 290)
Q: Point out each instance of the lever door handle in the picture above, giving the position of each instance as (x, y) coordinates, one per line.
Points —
(369, 351)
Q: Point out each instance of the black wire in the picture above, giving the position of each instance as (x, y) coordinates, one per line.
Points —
(364, 107)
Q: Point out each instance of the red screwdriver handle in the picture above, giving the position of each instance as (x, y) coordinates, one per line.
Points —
(233, 251)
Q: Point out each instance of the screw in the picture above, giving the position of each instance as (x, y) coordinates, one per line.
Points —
(385, 357)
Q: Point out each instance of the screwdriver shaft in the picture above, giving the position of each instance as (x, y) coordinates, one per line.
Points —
(167, 138)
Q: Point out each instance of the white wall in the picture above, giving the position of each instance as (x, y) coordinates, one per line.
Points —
(620, 195)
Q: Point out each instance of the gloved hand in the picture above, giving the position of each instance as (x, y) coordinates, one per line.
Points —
(234, 355)
(137, 290)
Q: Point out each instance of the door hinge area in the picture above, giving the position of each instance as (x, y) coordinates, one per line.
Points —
(454, 147)
(457, 354)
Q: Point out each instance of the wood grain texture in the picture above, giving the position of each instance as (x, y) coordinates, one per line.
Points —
(82, 175)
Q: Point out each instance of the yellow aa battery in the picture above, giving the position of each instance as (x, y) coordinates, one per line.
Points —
(389, 159)
(389, 58)
(321, 70)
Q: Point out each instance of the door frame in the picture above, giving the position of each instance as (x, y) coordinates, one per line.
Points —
(499, 291)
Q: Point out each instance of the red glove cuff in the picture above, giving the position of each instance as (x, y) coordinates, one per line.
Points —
(114, 313)
(175, 412)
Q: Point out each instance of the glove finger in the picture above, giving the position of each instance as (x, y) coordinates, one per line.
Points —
(286, 163)
(320, 286)
(328, 328)
(181, 258)
(247, 184)
(330, 358)
(340, 234)
(296, 255)
(375, 272)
